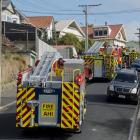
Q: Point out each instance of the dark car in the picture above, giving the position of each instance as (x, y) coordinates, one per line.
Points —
(125, 85)
(136, 65)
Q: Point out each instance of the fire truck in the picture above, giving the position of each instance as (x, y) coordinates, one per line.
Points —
(52, 94)
(107, 61)
(102, 64)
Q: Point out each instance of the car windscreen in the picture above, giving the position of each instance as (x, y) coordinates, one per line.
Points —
(122, 77)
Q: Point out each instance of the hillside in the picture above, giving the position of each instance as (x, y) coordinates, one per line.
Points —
(11, 65)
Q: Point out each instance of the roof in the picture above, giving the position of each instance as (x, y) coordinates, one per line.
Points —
(90, 30)
(114, 30)
(62, 24)
(5, 3)
(41, 21)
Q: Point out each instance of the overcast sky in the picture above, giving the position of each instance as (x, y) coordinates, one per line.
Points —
(125, 12)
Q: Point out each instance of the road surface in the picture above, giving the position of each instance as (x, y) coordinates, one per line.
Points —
(104, 121)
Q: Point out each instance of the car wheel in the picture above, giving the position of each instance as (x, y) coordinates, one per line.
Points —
(136, 101)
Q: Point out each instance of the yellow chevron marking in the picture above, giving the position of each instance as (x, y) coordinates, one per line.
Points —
(23, 111)
(71, 111)
(26, 116)
(62, 125)
(69, 117)
(19, 108)
(32, 96)
(71, 104)
(25, 95)
(25, 124)
(19, 85)
(67, 85)
(75, 86)
(19, 93)
(67, 123)
(70, 96)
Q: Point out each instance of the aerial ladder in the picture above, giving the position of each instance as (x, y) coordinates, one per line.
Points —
(48, 99)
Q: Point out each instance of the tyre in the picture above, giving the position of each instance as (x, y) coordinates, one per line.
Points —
(109, 98)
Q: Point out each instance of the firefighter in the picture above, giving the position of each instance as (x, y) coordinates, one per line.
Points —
(58, 66)
(120, 62)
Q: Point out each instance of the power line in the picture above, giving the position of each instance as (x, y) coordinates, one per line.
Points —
(100, 13)
(53, 13)
(44, 7)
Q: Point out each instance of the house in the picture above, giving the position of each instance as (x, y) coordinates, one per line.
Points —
(69, 26)
(108, 35)
(10, 13)
(90, 31)
(45, 23)
(114, 35)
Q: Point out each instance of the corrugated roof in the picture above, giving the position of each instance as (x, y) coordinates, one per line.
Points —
(60, 25)
(5, 3)
(41, 21)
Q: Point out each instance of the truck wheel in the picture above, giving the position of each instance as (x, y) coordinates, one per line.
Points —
(108, 98)
(79, 130)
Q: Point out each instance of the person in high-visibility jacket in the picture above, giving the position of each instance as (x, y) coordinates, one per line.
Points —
(58, 66)
(120, 62)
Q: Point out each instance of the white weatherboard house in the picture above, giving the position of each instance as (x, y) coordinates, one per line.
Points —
(11, 14)
(69, 26)
(113, 35)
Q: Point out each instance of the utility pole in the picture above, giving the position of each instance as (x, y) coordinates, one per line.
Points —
(0, 50)
(138, 37)
(86, 21)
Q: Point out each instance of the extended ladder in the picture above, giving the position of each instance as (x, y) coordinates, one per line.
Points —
(43, 68)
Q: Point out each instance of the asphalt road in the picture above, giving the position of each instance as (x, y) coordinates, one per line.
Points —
(104, 121)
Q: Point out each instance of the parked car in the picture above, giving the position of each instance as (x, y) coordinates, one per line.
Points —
(136, 65)
(125, 85)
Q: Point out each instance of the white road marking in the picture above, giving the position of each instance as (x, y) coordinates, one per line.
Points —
(8, 105)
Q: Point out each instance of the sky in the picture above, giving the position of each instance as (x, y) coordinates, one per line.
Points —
(126, 12)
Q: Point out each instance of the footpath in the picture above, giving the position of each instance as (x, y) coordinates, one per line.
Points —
(137, 129)
(8, 95)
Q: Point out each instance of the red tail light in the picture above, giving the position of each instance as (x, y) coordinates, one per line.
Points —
(19, 76)
(79, 79)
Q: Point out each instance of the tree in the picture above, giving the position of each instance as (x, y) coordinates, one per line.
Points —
(90, 43)
(70, 39)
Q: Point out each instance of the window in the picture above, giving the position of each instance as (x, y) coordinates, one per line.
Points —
(100, 32)
(96, 33)
(105, 32)
(122, 77)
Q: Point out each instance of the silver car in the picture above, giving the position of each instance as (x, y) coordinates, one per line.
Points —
(124, 85)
